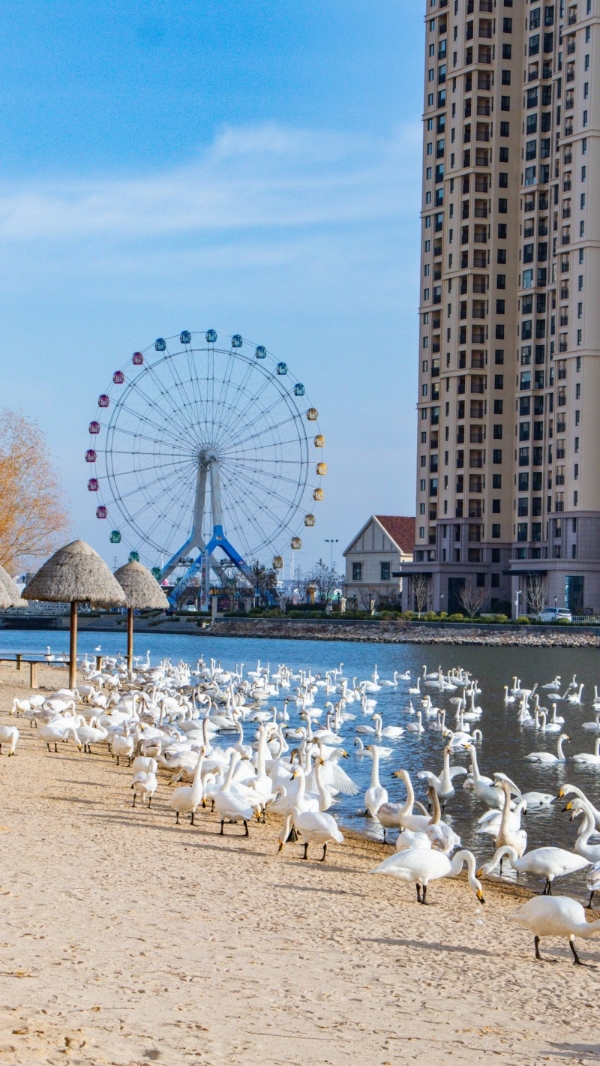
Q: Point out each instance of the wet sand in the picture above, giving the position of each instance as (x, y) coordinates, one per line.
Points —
(125, 939)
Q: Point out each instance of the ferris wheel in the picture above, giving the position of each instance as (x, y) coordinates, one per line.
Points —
(198, 447)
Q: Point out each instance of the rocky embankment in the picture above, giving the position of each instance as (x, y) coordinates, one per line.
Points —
(406, 633)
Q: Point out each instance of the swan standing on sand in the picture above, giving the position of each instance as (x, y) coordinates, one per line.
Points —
(376, 794)
(541, 862)
(316, 826)
(9, 734)
(593, 882)
(420, 866)
(555, 916)
(187, 798)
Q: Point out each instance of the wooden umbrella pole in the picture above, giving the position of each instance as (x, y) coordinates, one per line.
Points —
(130, 639)
(73, 648)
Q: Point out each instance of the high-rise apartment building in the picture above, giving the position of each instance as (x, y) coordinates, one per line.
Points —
(508, 492)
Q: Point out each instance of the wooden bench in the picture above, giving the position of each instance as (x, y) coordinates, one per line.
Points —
(33, 664)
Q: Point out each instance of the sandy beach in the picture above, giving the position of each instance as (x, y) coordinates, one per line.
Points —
(126, 939)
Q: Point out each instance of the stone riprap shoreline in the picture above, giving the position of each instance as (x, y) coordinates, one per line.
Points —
(406, 633)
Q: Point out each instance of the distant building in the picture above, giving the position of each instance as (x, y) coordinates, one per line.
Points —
(374, 561)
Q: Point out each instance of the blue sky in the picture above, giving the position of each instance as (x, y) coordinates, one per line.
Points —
(251, 165)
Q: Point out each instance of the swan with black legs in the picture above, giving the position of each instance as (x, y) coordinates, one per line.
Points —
(315, 827)
(555, 916)
(539, 862)
(419, 866)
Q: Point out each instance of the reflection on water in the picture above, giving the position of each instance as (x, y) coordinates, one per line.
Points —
(504, 743)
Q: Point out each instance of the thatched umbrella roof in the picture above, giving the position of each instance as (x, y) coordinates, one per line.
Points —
(141, 589)
(76, 574)
(9, 587)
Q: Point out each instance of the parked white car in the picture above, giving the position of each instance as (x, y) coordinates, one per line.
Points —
(555, 614)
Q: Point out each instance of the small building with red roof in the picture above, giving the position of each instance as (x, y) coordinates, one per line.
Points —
(374, 561)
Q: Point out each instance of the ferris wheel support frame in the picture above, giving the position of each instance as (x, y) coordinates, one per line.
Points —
(208, 470)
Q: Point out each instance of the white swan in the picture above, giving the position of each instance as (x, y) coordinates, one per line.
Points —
(546, 758)
(443, 784)
(416, 727)
(589, 759)
(145, 783)
(186, 798)
(376, 794)
(547, 862)
(389, 732)
(230, 804)
(582, 844)
(593, 882)
(9, 734)
(420, 866)
(315, 826)
(508, 835)
(555, 916)
(572, 790)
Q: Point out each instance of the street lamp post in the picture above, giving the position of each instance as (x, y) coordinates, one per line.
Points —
(518, 604)
(331, 543)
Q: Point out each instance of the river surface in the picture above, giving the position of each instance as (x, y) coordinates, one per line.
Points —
(504, 743)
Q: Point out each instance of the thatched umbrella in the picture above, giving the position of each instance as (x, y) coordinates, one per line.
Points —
(75, 574)
(10, 587)
(143, 593)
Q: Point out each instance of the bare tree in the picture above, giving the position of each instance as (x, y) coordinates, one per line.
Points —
(472, 599)
(325, 579)
(536, 593)
(33, 517)
(420, 592)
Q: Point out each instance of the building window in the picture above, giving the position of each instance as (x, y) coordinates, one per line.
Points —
(386, 571)
(357, 571)
(496, 531)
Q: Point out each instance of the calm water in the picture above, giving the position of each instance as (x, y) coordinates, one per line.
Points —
(504, 743)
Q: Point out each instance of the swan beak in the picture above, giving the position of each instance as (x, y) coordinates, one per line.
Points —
(561, 794)
(280, 848)
(569, 807)
(345, 755)
(479, 873)
(480, 896)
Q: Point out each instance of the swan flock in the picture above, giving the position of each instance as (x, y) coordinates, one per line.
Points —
(251, 743)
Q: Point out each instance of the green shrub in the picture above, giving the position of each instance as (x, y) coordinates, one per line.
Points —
(523, 620)
(500, 618)
(456, 617)
(562, 622)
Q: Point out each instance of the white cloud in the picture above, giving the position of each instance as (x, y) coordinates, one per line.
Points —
(252, 177)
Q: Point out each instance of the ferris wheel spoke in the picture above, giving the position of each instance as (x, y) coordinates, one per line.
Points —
(163, 404)
(124, 432)
(194, 379)
(142, 487)
(266, 490)
(242, 505)
(169, 468)
(252, 399)
(263, 431)
(240, 391)
(257, 472)
(226, 381)
(160, 427)
(167, 398)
